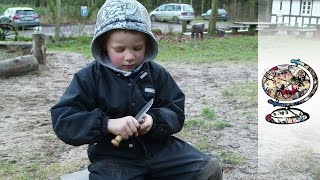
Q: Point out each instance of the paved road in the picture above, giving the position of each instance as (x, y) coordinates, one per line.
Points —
(76, 30)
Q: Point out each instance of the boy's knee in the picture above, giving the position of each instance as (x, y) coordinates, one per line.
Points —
(216, 167)
(211, 170)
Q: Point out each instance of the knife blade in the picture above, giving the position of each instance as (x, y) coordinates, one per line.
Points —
(145, 108)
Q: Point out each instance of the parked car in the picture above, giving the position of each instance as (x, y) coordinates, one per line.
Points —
(20, 17)
(222, 15)
(173, 12)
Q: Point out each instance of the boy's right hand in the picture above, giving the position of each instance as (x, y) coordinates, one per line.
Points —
(125, 126)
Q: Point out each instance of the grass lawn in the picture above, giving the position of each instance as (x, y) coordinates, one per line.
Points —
(181, 49)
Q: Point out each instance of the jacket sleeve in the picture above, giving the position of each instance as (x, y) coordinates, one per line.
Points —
(168, 110)
(75, 118)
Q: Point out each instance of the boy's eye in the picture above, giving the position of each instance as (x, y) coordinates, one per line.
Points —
(138, 48)
(119, 49)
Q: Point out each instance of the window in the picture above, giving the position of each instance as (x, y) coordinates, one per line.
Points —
(169, 8)
(306, 7)
(162, 8)
(177, 8)
(24, 12)
(187, 8)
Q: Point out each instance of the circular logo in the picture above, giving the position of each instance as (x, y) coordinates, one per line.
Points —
(289, 85)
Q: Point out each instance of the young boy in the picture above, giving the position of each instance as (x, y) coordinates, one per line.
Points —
(104, 97)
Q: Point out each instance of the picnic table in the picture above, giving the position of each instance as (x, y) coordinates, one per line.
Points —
(235, 28)
(317, 26)
(254, 24)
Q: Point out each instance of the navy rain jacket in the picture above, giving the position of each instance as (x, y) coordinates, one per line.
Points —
(98, 93)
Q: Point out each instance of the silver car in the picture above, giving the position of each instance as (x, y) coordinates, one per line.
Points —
(173, 12)
(20, 17)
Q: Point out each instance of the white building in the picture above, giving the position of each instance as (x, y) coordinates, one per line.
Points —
(296, 12)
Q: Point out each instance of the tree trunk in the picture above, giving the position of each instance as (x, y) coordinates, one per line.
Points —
(202, 6)
(37, 3)
(234, 10)
(58, 21)
(18, 66)
(213, 17)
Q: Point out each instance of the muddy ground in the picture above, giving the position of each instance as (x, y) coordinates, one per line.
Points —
(26, 136)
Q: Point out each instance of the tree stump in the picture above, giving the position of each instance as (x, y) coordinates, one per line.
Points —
(39, 50)
(18, 66)
(198, 30)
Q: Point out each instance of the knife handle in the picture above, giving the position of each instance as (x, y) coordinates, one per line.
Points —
(116, 141)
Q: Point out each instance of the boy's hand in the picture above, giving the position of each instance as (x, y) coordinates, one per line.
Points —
(146, 124)
(125, 126)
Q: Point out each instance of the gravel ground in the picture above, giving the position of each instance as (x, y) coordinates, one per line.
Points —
(27, 138)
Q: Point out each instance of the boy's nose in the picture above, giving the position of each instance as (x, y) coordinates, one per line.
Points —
(129, 56)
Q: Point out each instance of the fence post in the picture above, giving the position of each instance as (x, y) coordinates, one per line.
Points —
(184, 26)
(38, 47)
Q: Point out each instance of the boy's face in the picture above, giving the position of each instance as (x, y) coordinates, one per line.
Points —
(126, 49)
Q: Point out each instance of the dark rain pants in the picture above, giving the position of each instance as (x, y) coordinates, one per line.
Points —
(177, 161)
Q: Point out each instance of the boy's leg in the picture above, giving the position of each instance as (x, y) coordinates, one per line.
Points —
(116, 169)
(179, 160)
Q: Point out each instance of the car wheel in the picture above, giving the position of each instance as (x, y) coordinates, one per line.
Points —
(153, 18)
(175, 20)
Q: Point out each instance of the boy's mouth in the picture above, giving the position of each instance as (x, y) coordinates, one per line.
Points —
(128, 67)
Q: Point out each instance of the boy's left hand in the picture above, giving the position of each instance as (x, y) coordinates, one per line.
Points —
(146, 124)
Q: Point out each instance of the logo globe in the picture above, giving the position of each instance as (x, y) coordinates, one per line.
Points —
(289, 85)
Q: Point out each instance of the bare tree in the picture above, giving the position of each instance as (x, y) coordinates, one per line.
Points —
(213, 17)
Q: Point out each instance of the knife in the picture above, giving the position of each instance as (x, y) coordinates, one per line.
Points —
(116, 141)
(145, 108)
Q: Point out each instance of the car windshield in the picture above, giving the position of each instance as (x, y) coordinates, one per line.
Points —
(25, 12)
(222, 11)
(187, 8)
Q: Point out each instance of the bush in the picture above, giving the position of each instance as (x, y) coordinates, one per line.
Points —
(157, 31)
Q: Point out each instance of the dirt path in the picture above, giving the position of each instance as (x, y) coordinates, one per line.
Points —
(26, 135)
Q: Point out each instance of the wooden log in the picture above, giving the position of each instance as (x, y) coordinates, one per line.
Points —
(38, 47)
(16, 44)
(17, 66)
